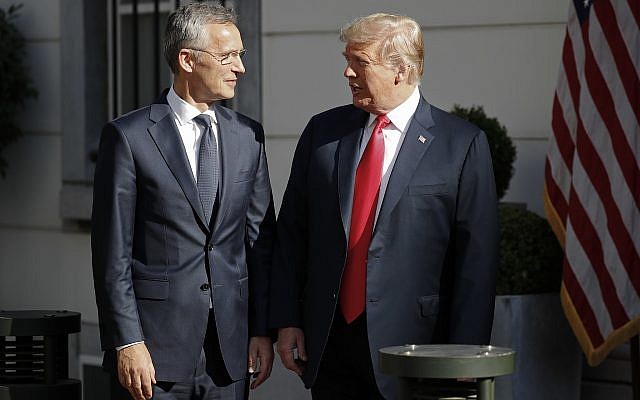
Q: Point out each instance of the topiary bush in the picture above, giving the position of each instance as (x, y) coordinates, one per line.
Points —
(530, 256)
(15, 83)
(503, 152)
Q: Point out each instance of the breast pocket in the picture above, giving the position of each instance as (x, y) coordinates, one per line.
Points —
(244, 176)
(428, 190)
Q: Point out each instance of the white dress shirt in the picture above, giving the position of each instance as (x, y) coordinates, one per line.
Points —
(393, 134)
(190, 131)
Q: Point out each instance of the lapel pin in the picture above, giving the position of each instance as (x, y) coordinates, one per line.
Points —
(422, 139)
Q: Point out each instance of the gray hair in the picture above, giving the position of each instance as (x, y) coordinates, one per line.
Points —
(400, 39)
(186, 28)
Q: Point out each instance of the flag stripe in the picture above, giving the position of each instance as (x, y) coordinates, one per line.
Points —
(629, 30)
(572, 50)
(588, 280)
(607, 18)
(564, 139)
(555, 194)
(592, 246)
(580, 302)
(634, 6)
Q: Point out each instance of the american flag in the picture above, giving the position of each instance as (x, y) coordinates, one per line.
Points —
(592, 173)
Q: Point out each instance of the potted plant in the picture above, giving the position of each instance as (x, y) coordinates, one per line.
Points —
(528, 316)
(15, 84)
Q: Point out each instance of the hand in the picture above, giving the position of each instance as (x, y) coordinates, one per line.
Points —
(290, 340)
(135, 371)
(260, 359)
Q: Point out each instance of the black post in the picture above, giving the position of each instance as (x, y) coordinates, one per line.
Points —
(635, 368)
(156, 47)
(114, 38)
(136, 66)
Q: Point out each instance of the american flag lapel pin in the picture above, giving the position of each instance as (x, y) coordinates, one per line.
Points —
(422, 139)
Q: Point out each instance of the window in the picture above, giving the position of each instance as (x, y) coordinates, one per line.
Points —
(112, 63)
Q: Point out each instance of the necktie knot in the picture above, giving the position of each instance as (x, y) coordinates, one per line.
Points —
(382, 121)
(203, 120)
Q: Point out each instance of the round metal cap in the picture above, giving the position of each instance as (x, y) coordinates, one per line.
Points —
(447, 361)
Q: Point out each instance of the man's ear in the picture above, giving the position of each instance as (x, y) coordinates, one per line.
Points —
(186, 61)
(402, 76)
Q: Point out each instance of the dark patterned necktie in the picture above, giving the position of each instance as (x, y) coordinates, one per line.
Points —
(207, 166)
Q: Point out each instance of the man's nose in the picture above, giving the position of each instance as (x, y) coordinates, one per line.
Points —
(237, 66)
(349, 72)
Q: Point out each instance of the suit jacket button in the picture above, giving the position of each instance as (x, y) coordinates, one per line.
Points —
(204, 287)
(210, 247)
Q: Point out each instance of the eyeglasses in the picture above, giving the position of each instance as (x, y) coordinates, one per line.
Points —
(225, 58)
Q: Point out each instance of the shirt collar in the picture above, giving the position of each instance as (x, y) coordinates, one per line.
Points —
(184, 111)
(401, 115)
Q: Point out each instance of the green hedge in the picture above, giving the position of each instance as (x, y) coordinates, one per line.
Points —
(15, 83)
(530, 256)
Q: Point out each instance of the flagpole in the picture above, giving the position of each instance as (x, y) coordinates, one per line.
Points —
(635, 367)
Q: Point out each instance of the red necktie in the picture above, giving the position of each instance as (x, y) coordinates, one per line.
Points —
(365, 202)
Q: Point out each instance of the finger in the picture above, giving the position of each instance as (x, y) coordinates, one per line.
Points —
(266, 367)
(287, 357)
(261, 377)
(136, 388)
(293, 363)
(302, 353)
(124, 379)
(147, 390)
(252, 363)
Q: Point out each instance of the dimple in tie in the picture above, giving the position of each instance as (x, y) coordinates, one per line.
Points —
(207, 166)
(365, 201)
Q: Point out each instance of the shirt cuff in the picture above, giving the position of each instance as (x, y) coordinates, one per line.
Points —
(127, 345)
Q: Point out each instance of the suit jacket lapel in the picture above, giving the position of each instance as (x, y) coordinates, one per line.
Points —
(348, 162)
(165, 134)
(410, 154)
(229, 151)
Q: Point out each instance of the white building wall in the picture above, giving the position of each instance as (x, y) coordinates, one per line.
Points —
(41, 265)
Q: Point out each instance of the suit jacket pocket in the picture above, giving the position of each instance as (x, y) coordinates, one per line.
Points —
(429, 305)
(151, 289)
(422, 190)
(245, 175)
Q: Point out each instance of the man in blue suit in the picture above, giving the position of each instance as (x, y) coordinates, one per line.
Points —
(182, 228)
(387, 233)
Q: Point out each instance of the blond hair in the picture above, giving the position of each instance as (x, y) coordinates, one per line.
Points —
(399, 37)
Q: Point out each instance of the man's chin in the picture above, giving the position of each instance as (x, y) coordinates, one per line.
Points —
(361, 103)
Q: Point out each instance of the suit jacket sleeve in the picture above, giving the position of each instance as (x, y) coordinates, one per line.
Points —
(475, 249)
(112, 223)
(288, 274)
(260, 232)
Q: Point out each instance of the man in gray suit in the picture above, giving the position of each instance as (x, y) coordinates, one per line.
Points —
(387, 233)
(182, 228)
